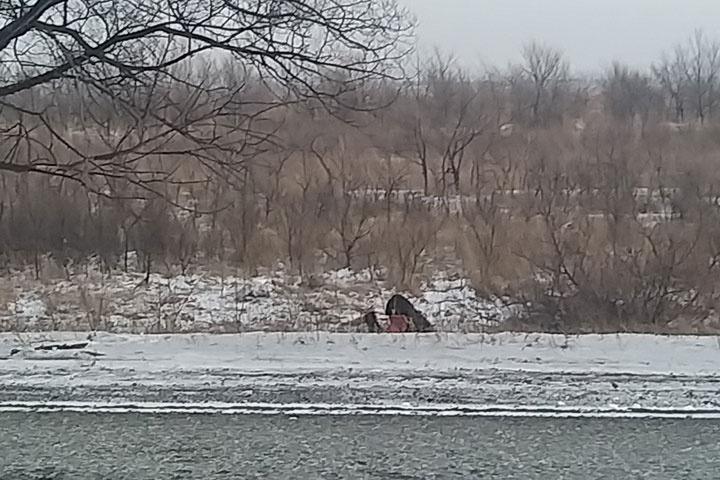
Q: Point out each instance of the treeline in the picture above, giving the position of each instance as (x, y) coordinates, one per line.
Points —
(593, 202)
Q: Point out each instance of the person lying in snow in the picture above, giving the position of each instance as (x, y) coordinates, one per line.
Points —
(402, 317)
(399, 305)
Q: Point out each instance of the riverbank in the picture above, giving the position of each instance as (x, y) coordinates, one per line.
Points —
(510, 371)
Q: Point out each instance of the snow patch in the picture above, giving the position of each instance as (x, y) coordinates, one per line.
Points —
(27, 309)
(209, 302)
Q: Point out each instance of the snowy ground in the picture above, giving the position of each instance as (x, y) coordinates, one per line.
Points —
(210, 302)
(363, 373)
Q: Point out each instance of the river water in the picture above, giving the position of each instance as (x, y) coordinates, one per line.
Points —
(142, 446)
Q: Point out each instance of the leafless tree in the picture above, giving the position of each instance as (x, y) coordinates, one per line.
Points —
(408, 242)
(300, 212)
(669, 74)
(145, 72)
(690, 76)
(350, 210)
(629, 92)
(449, 117)
(702, 73)
(547, 70)
(420, 94)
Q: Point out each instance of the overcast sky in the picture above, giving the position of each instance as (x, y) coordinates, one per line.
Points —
(591, 32)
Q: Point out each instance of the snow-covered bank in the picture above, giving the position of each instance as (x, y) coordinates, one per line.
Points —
(511, 370)
(210, 302)
(286, 353)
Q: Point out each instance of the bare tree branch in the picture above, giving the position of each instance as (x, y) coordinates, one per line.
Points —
(147, 78)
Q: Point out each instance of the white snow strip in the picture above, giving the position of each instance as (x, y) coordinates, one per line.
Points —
(295, 409)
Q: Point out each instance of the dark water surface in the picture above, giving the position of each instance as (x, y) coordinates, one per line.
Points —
(169, 446)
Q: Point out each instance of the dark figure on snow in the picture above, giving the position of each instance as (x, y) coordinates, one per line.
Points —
(399, 305)
(372, 322)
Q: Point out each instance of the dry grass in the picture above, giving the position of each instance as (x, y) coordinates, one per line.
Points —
(549, 216)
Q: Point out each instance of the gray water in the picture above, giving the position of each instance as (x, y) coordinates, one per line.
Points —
(168, 446)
